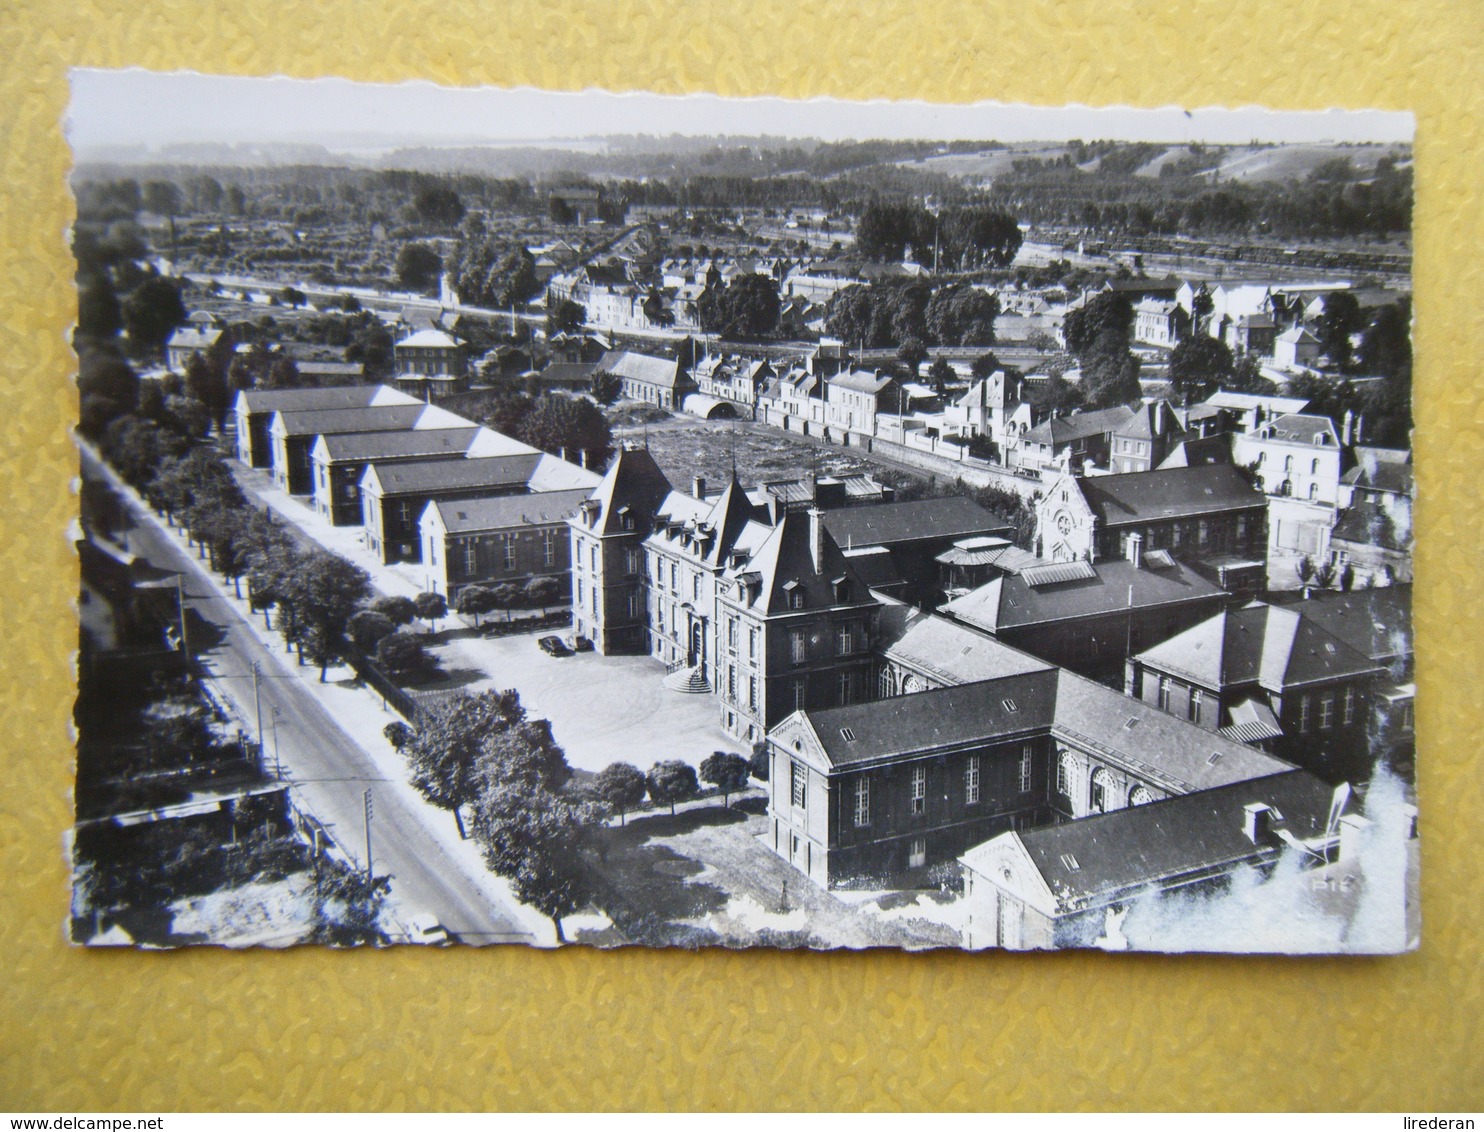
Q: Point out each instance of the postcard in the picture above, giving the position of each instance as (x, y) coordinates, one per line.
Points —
(519, 517)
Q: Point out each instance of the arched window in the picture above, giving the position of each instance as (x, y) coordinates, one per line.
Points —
(1139, 796)
(1102, 791)
(1066, 773)
(1314, 468)
(1288, 463)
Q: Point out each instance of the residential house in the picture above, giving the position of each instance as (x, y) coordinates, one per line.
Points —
(1298, 459)
(394, 495)
(188, 341)
(656, 381)
(873, 793)
(498, 540)
(992, 407)
(1160, 322)
(852, 400)
(1141, 442)
(1249, 410)
(1069, 443)
(1296, 348)
(1267, 674)
(1372, 535)
(431, 363)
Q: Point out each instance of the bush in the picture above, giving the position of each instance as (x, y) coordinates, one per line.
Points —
(402, 656)
(671, 781)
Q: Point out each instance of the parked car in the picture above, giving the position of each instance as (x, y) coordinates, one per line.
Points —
(425, 928)
(581, 644)
(553, 646)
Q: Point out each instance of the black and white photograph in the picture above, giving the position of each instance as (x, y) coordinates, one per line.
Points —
(550, 519)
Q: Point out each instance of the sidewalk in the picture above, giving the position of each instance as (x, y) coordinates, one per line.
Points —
(359, 713)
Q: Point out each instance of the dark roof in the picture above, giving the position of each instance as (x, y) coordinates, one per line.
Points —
(1271, 646)
(1369, 522)
(784, 564)
(564, 373)
(958, 655)
(1376, 623)
(886, 524)
(642, 368)
(1078, 426)
(634, 485)
(453, 475)
(414, 442)
(1194, 451)
(1299, 428)
(1164, 842)
(327, 422)
(1072, 590)
(506, 511)
(943, 717)
(293, 400)
(1172, 493)
(1381, 469)
(874, 567)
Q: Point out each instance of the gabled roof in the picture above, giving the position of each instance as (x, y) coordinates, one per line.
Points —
(1274, 647)
(568, 372)
(1150, 421)
(961, 715)
(997, 552)
(1144, 497)
(1078, 426)
(1300, 335)
(1381, 469)
(335, 397)
(1066, 591)
(1097, 860)
(957, 655)
(190, 337)
(450, 475)
(1194, 451)
(633, 484)
(507, 511)
(643, 368)
(1227, 399)
(783, 563)
(321, 422)
(386, 445)
(888, 524)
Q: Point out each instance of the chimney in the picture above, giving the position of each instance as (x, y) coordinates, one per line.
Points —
(1135, 549)
(1346, 427)
(816, 538)
(698, 487)
(582, 456)
(1258, 819)
(1359, 427)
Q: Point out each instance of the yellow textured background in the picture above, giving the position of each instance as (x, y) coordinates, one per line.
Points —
(519, 1029)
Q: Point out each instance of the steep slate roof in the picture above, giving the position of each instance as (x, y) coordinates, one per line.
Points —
(379, 418)
(1144, 497)
(1274, 647)
(384, 445)
(568, 372)
(783, 562)
(885, 524)
(333, 397)
(958, 655)
(874, 566)
(451, 475)
(1182, 837)
(506, 511)
(641, 367)
(1078, 426)
(633, 481)
(1195, 451)
(1150, 421)
(1375, 623)
(1075, 590)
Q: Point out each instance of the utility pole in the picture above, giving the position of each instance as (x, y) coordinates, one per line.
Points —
(185, 645)
(277, 765)
(257, 703)
(366, 798)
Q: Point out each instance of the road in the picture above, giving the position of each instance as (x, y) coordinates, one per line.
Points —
(328, 769)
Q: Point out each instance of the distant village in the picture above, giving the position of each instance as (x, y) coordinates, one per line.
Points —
(1139, 650)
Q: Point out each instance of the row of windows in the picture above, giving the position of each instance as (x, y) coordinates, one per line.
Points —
(1102, 786)
(917, 786)
(1326, 710)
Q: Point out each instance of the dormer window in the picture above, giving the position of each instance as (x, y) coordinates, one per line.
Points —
(842, 590)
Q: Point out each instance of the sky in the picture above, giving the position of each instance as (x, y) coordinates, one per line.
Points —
(137, 107)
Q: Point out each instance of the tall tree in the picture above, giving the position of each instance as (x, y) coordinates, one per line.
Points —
(449, 740)
(622, 786)
(151, 312)
(1199, 366)
(726, 771)
(1340, 319)
(670, 781)
(418, 267)
(533, 839)
(747, 307)
(572, 425)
